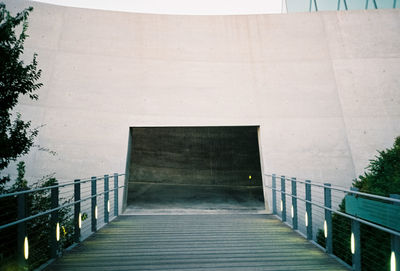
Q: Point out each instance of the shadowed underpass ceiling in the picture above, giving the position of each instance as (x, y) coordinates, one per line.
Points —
(195, 167)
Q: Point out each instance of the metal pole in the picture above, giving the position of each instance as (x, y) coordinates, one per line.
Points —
(115, 194)
(283, 198)
(294, 204)
(77, 210)
(395, 245)
(345, 4)
(356, 245)
(274, 194)
(315, 3)
(55, 230)
(21, 231)
(328, 217)
(94, 204)
(106, 199)
(309, 210)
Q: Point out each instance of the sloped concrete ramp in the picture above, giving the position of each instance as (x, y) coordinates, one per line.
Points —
(196, 242)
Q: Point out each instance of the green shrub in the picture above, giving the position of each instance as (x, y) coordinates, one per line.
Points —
(381, 178)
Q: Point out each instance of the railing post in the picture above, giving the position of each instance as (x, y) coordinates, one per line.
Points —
(395, 255)
(328, 218)
(294, 204)
(355, 244)
(283, 198)
(115, 194)
(308, 218)
(55, 226)
(77, 210)
(106, 201)
(274, 194)
(22, 232)
(395, 245)
(94, 204)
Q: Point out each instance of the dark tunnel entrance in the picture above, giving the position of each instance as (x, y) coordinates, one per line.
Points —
(209, 168)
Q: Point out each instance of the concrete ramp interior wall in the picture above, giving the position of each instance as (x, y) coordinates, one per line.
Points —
(195, 167)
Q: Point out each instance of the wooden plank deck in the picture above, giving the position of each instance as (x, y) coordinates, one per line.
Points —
(196, 242)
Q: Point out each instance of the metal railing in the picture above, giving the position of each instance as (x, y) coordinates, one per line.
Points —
(37, 225)
(321, 5)
(318, 212)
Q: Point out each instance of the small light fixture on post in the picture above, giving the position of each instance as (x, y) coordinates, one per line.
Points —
(393, 261)
(325, 229)
(306, 218)
(355, 245)
(26, 248)
(58, 231)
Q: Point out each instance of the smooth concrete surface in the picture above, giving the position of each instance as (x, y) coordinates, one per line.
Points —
(323, 87)
(178, 7)
(195, 167)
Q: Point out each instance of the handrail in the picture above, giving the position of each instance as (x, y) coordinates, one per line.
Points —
(337, 188)
(339, 213)
(331, 226)
(53, 186)
(54, 209)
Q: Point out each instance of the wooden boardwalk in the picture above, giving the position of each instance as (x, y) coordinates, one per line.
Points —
(196, 242)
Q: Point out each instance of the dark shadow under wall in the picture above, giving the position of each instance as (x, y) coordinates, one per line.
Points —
(195, 167)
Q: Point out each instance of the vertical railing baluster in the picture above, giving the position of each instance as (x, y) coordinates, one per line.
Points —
(395, 254)
(395, 244)
(116, 194)
(55, 224)
(308, 218)
(21, 231)
(77, 211)
(106, 202)
(274, 194)
(328, 218)
(283, 198)
(294, 204)
(355, 243)
(94, 204)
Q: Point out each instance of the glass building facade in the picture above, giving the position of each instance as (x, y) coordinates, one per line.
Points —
(320, 5)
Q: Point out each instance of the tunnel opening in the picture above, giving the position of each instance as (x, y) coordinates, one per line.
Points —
(203, 168)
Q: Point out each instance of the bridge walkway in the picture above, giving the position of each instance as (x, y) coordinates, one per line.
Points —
(196, 242)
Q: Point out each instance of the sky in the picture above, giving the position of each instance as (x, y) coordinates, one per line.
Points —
(192, 7)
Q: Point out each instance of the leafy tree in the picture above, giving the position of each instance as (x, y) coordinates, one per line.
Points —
(16, 79)
(16, 138)
(381, 178)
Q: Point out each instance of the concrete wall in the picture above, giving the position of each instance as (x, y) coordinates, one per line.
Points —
(323, 87)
